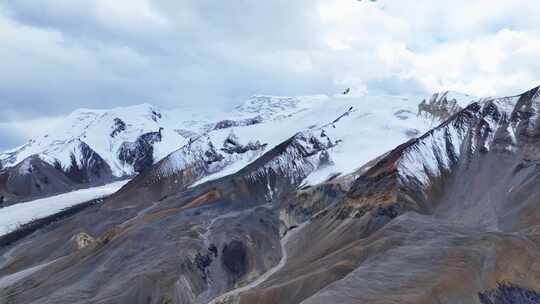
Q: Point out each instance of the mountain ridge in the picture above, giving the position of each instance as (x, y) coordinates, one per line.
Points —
(96, 146)
(410, 224)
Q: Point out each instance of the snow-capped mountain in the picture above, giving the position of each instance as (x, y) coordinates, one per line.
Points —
(112, 134)
(235, 217)
(351, 131)
(356, 128)
(93, 146)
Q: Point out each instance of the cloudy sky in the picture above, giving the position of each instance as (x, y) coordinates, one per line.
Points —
(59, 55)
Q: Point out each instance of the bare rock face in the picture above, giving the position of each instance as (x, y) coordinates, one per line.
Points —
(440, 106)
(31, 178)
(228, 123)
(118, 127)
(88, 168)
(232, 145)
(34, 177)
(235, 258)
(507, 294)
(140, 154)
(82, 240)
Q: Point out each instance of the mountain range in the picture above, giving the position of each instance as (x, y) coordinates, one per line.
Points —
(313, 199)
(92, 147)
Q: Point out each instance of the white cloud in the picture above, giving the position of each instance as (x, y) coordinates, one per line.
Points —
(13, 133)
(481, 47)
(101, 53)
(502, 63)
(129, 13)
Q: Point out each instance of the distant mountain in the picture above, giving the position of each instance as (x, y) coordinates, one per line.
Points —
(111, 134)
(95, 146)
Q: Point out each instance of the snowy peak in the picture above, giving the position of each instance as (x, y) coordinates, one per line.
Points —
(81, 121)
(102, 131)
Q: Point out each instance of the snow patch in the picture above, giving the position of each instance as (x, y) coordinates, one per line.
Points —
(13, 216)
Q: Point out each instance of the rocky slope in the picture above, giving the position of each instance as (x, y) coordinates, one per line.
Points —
(225, 227)
(225, 219)
(443, 218)
(31, 178)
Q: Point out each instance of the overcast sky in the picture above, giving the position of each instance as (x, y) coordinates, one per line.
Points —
(59, 55)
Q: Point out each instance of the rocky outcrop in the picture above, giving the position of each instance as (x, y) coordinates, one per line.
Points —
(118, 127)
(87, 167)
(228, 123)
(82, 240)
(440, 106)
(155, 115)
(232, 145)
(140, 154)
(34, 177)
